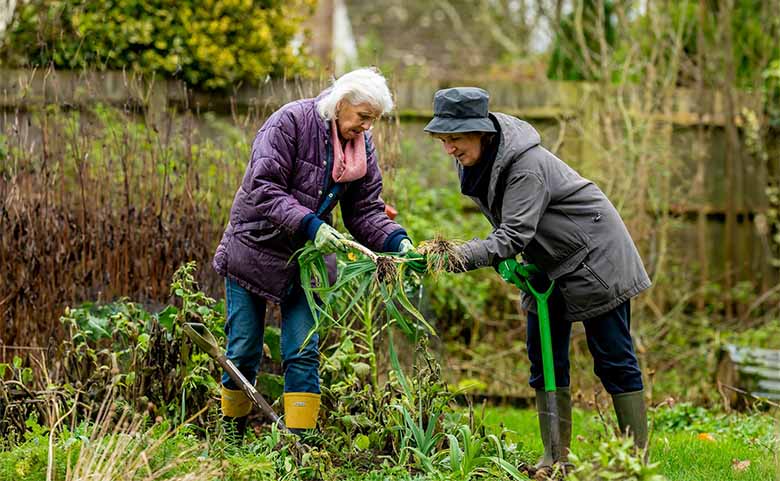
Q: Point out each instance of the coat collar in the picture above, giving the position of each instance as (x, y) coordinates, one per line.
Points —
(517, 137)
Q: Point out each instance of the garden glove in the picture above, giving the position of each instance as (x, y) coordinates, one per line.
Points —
(405, 246)
(417, 261)
(506, 269)
(516, 273)
(328, 240)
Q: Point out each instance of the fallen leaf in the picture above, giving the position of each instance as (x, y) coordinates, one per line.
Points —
(706, 437)
(740, 466)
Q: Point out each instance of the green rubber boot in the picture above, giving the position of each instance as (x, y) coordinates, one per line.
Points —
(563, 396)
(632, 417)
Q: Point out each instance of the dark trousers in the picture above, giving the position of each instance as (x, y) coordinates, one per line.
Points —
(609, 342)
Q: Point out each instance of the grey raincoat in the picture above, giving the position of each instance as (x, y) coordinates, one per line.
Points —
(541, 208)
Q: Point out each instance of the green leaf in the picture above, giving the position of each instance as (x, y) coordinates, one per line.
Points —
(270, 385)
(397, 368)
(393, 313)
(167, 317)
(98, 327)
(361, 369)
(143, 342)
(272, 338)
(407, 304)
(509, 469)
(358, 420)
(455, 453)
(357, 297)
(361, 442)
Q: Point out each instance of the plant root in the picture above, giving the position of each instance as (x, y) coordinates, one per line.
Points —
(386, 269)
(443, 255)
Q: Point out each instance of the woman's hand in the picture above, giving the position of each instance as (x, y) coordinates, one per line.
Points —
(329, 240)
(417, 261)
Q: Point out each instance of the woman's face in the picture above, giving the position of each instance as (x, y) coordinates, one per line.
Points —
(353, 120)
(466, 147)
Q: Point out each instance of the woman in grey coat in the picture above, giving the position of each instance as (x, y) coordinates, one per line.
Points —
(545, 211)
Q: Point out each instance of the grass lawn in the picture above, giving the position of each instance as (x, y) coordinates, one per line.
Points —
(708, 447)
(689, 443)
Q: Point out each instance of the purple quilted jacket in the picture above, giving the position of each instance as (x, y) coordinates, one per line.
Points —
(285, 181)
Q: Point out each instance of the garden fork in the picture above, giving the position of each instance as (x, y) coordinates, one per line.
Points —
(201, 336)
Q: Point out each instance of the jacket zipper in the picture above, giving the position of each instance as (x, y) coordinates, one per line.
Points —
(598, 278)
(324, 195)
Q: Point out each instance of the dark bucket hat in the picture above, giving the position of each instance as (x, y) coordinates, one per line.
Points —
(460, 109)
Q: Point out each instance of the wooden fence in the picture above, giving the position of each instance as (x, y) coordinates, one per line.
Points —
(743, 248)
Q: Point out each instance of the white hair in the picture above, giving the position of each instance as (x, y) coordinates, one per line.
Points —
(364, 85)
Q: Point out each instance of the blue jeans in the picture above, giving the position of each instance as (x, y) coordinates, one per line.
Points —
(244, 328)
(609, 342)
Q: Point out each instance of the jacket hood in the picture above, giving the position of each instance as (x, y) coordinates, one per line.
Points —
(517, 137)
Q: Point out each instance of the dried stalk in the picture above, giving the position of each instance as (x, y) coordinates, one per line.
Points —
(361, 248)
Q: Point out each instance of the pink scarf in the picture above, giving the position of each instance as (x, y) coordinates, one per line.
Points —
(349, 163)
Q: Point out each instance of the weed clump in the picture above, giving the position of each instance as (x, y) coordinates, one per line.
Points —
(386, 269)
(443, 255)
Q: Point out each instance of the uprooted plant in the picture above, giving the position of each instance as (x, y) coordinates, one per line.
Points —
(369, 276)
(370, 287)
(404, 419)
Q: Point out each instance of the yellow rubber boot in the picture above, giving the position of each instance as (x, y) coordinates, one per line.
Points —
(301, 410)
(235, 404)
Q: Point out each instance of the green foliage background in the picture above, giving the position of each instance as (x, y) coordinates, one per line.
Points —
(753, 45)
(214, 44)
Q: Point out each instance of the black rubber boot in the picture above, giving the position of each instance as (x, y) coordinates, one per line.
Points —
(563, 396)
(632, 417)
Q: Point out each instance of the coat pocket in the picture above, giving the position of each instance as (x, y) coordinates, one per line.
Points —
(559, 246)
(589, 286)
(257, 232)
(258, 236)
(595, 275)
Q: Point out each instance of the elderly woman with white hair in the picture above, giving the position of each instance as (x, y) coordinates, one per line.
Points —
(308, 156)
